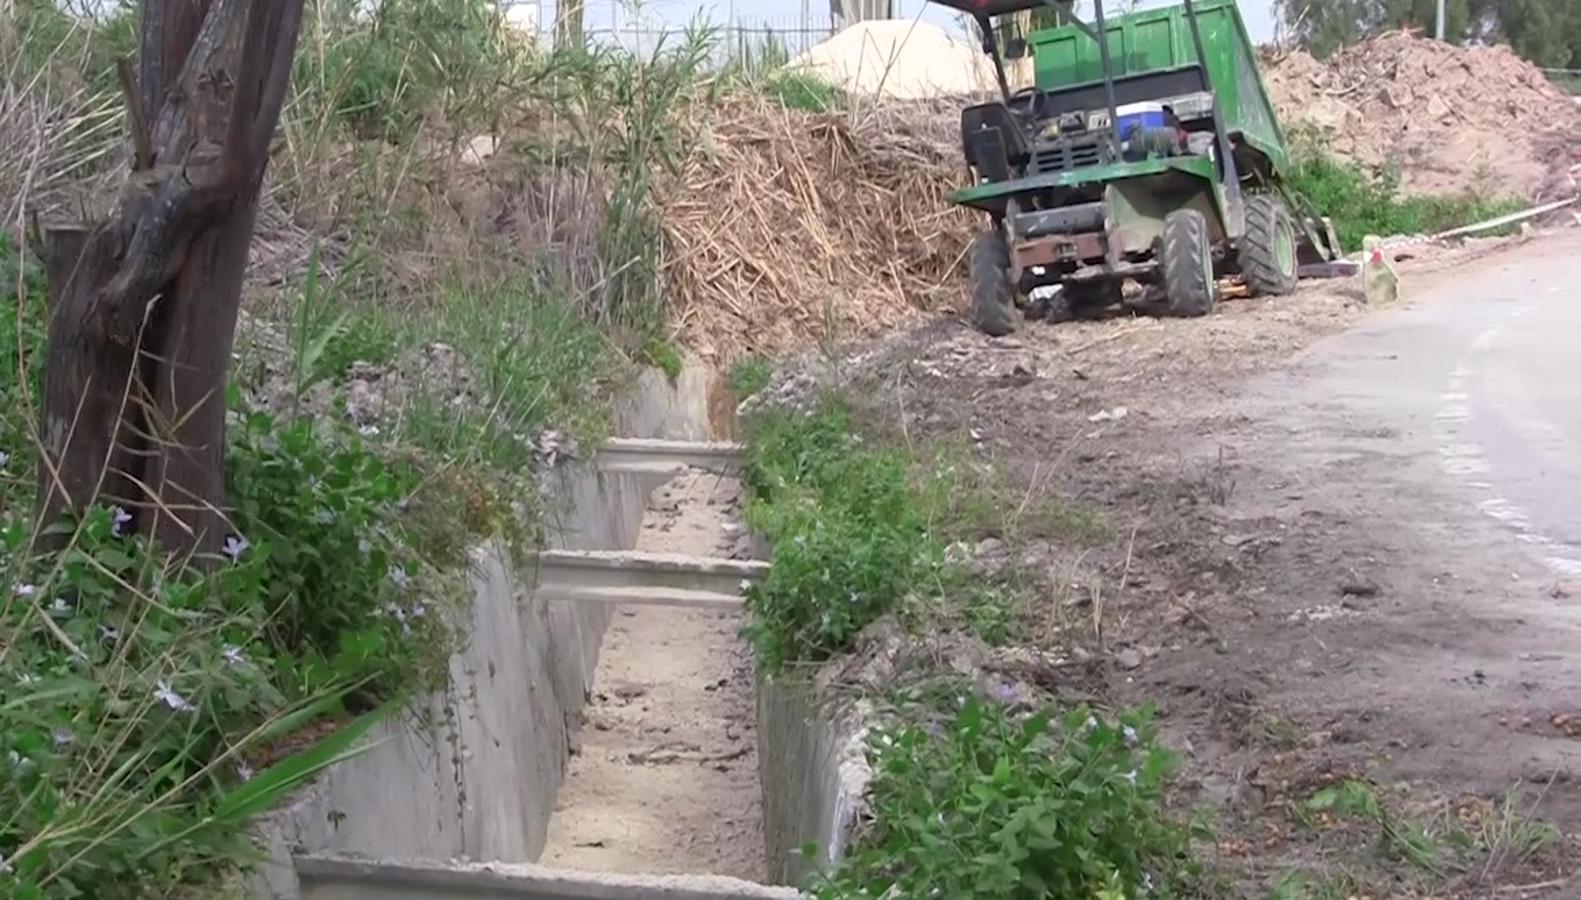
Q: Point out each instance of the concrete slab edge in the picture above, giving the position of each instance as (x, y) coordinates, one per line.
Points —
(343, 877)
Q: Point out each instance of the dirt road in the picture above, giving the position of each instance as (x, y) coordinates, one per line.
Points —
(1345, 540)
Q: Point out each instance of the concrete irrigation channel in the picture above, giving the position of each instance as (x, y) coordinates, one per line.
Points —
(604, 733)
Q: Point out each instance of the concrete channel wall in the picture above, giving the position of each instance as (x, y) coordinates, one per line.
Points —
(815, 773)
(472, 772)
(454, 799)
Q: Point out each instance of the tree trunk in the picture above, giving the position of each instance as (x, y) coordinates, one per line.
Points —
(144, 306)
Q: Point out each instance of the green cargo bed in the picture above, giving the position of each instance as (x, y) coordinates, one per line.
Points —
(1159, 40)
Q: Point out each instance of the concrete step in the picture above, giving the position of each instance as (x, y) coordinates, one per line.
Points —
(642, 596)
(629, 576)
(646, 456)
(342, 878)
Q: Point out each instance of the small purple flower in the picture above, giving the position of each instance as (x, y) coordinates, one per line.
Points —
(5, 459)
(170, 698)
(26, 590)
(1132, 739)
(244, 771)
(399, 576)
(63, 738)
(233, 655)
(419, 611)
(235, 546)
(60, 609)
(120, 518)
(1004, 692)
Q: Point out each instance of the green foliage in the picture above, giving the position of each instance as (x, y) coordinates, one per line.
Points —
(849, 539)
(135, 690)
(992, 804)
(802, 90)
(22, 342)
(1361, 203)
(380, 71)
(68, 49)
(1473, 838)
(750, 375)
(331, 515)
(662, 355)
(529, 360)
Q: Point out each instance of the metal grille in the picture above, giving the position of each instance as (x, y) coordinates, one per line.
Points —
(1067, 155)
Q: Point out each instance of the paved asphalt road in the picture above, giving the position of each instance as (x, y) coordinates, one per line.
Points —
(1481, 368)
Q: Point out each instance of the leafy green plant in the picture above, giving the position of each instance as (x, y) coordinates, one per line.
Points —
(993, 804)
(331, 515)
(136, 692)
(849, 541)
(1361, 203)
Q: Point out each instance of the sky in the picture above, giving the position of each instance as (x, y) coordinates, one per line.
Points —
(788, 13)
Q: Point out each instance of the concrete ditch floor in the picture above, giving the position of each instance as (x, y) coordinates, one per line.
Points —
(665, 780)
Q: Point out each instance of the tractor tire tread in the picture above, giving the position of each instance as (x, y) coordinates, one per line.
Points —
(1259, 251)
(993, 309)
(1186, 243)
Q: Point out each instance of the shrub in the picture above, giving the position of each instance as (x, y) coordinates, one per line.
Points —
(1362, 203)
(991, 804)
(344, 596)
(849, 541)
(136, 692)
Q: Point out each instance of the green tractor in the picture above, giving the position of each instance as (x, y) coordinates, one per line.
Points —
(1130, 172)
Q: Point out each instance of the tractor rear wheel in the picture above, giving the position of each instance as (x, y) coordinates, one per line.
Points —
(1268, 251)
(1188, 263)
(993, 299)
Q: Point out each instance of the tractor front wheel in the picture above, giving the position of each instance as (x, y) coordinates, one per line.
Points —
(1188, 263)
(993, 299)
(1268, 251)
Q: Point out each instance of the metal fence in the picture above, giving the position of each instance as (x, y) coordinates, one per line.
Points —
(737, 34)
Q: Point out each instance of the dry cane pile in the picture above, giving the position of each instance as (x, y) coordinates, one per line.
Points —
(786, 225)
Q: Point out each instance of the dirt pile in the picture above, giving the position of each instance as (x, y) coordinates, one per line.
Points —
(1451, 119)
(786, 227)
(899, 59)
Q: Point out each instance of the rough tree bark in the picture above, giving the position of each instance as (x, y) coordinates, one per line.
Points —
(144, 305)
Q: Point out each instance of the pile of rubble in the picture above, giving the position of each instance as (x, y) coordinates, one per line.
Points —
(1448, 119)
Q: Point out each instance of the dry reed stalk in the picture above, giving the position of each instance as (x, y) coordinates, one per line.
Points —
(782, 214)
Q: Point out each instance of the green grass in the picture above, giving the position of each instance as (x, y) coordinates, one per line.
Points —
(803, 91)
(1476, 837)
(750, 375)
(1361, 203)
(860, 532)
